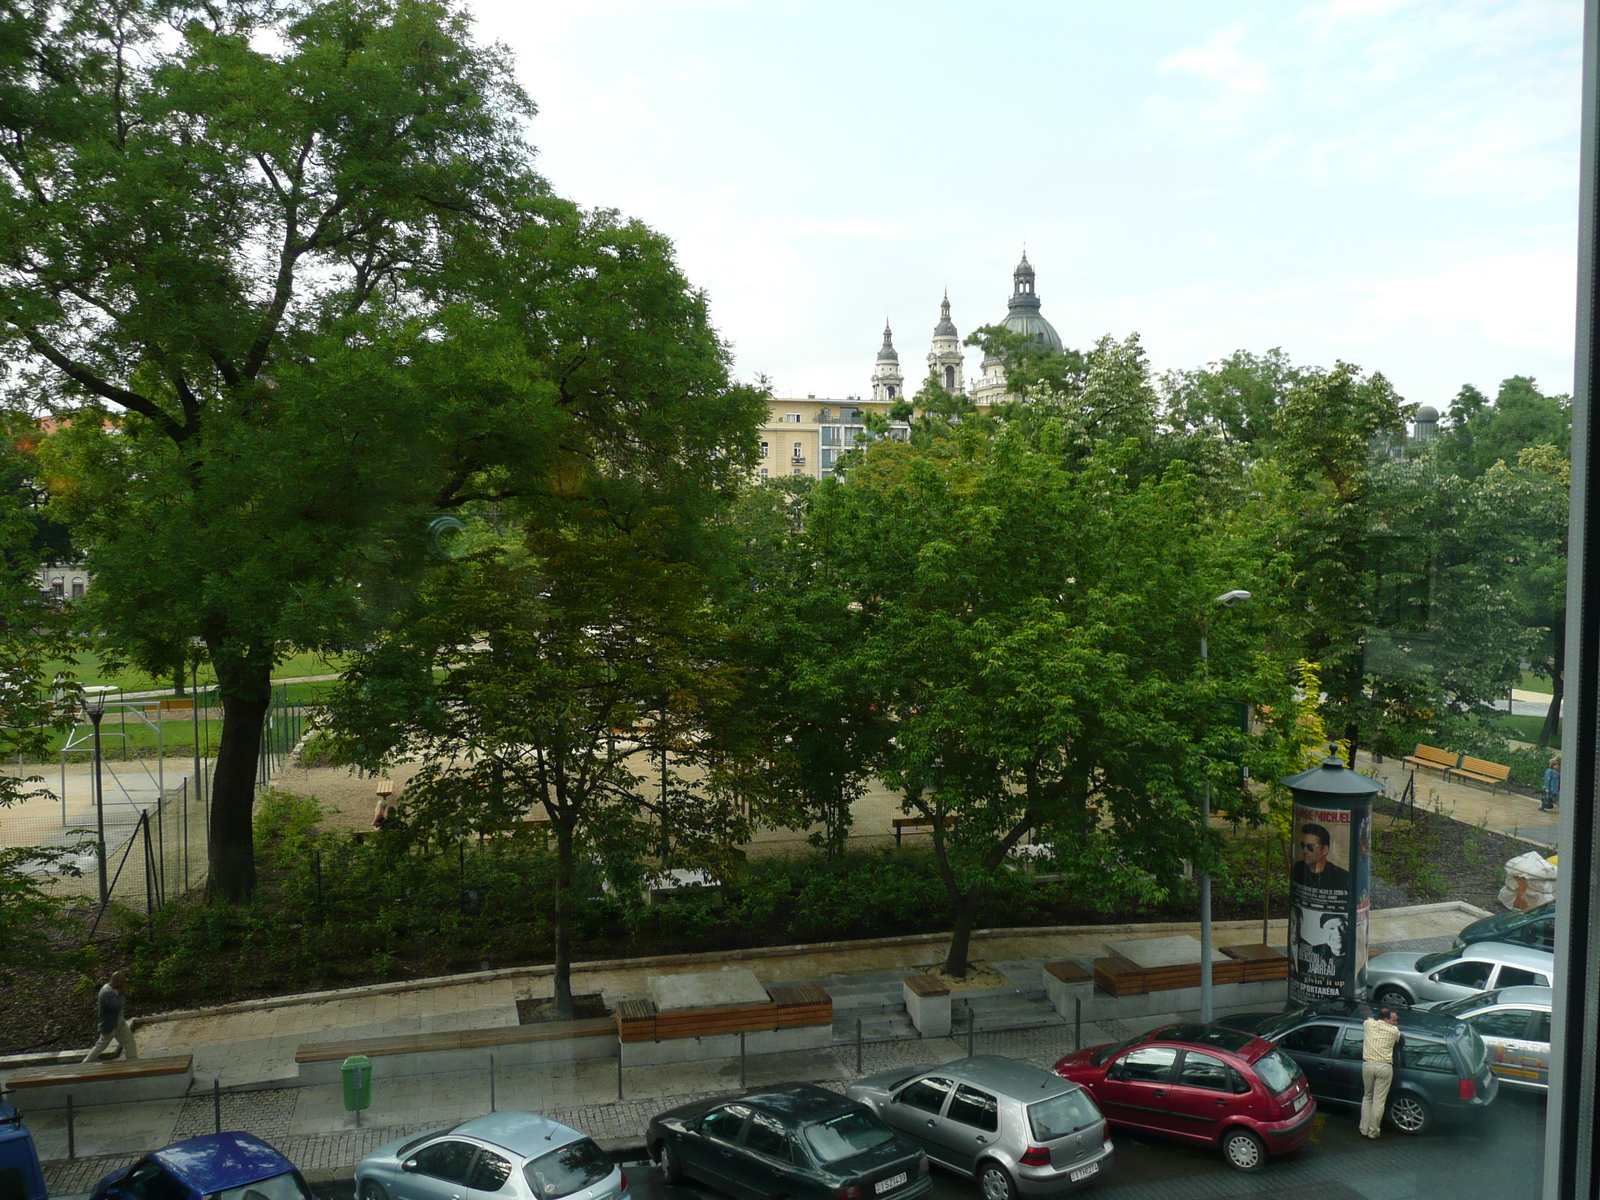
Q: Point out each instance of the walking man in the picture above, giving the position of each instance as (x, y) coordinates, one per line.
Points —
(1377, 1067)
(113, 999)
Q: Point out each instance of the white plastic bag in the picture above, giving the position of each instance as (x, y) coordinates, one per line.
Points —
(1530, 882)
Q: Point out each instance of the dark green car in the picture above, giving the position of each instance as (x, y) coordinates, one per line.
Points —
(796, 1140)
(1534, 927)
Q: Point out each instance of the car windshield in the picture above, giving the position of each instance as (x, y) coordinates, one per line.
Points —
(846, 1135)
(288, 1186)
(1277, 1070)
(1467, 1004)
(1429, 961)
(572, 1168)
(1472, 1050)
(1063, 1114)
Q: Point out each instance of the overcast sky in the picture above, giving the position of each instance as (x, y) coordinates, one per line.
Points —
(1390, 183)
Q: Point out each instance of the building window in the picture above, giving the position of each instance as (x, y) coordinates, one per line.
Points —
(797, 471)
(891, 391)
(829, 457)
(763, 472)
(766, 449)
(830, 435)
(58, 588)
(949, 379)
(792, 418)
(77, 589)
(799, 452)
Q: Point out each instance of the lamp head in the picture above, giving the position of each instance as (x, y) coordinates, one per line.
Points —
(1229, 599)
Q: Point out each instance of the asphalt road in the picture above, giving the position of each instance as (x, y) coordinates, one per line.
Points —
(1499, 1158)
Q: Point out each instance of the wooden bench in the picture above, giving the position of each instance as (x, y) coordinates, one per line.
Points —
(1432, 757)
(115, 1082)
(917, 825)
(1261, 963)
(461, 1049)
(796, 1017)
(1069, 972)
(1481, 770)
(1120, 977)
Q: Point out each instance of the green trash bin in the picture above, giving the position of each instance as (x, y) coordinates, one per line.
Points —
(357, 1075)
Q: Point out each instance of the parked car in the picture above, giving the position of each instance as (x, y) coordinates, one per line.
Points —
(514, 1154)
(218, 1166)
(1534, 927)
(1403, 978)
(20, 1175)
(1514, 1024)
(1016, 1128)
(1201, 1083)
(1441, 1067)
(798, 1140)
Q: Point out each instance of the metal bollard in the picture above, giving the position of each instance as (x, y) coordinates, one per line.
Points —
(741, 1059)
(216, 1102)
(1077, 1023)
(72, 1140)
(491, 1082)
(858, 1047)
(619, 1072)
(972, 1025)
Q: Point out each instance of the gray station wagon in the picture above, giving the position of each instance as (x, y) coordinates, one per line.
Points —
(1016, 1128)
(1514, 1024)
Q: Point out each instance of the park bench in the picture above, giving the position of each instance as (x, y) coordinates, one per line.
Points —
(461, 1049)
(1120, 977)
(1481, 770)
(917, 825)
(1261, 963)
(1433, 758)
(116, 1082)
(796, 1016)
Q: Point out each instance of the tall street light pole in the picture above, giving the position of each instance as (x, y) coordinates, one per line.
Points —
(96, 710)
(1227, 600)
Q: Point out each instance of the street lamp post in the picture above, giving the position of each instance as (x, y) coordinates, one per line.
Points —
(97, 709)
(1227, 600)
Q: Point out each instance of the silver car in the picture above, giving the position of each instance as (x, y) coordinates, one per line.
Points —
(1016, 1128)
(512, 1154)
(1514, 1023)
(1404, 978)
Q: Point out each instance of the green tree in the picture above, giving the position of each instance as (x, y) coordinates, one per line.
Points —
(1479, 432)
(1237, 398)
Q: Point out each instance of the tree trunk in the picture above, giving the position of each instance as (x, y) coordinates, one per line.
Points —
(1548, 730)
(177, 679)
(965, 905)
(1352, 733)
(246, 692)
(563, 923)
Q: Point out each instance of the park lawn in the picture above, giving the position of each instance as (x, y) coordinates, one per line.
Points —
(1525, 728)
(89, 672)
(1535, 683)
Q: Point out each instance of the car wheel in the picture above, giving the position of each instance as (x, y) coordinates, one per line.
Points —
(1410, 1114)
(671, 1167)
(1390, 996)
(371, 1189)
(995, 1182)
(1243, 1149)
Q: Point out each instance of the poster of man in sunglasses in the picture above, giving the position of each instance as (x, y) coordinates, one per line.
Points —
(1327, 933)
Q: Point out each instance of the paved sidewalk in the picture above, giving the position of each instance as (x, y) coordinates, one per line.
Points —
(1501, 812)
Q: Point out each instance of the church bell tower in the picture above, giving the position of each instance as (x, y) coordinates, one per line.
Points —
(945, 359)
(888, 384)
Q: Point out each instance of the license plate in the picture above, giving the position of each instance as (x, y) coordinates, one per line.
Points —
(1300, 1100)
(889, 1185)
(1084, 1172)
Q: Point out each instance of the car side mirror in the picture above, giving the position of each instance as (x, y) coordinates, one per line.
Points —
(410, 1164)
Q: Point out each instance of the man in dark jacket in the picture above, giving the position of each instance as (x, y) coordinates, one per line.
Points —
(113, 1000)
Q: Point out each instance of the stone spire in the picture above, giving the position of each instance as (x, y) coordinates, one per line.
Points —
(945, 359)
(887, 382)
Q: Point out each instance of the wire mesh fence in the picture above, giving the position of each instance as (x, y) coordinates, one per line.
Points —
(134, 831)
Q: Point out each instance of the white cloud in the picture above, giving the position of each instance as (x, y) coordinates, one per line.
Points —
(1518, 301)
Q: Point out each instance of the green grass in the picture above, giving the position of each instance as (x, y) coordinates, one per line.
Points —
(1526, 728)
(1535, 683)
(89, 672)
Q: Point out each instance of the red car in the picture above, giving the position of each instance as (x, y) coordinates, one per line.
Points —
(1203, 1084)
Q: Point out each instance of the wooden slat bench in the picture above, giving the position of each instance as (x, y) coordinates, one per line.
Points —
(1481, 770)
(801, 1004)
(917, 825)
(119, 1081)
(1261, 963)
(1432, 757)
(1120, 977)
(461, 1049)
(1069, 972)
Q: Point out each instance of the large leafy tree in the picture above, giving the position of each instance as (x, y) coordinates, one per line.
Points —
(277, 260)
(1027, 635)
(1479, 432)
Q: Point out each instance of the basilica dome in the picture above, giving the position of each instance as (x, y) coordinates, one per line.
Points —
(1022, 311)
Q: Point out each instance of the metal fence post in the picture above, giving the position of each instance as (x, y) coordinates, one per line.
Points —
(216, 1102)
(72, 1141)
(619, 1070)
(491, 1082)
(858, 1047)
(741, 1059)
(1077, 1023)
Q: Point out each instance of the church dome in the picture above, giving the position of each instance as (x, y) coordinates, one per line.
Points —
(946, 327)
(888, 353)
(1022, 310)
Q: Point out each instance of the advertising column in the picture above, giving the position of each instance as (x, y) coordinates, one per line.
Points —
(1329, 894)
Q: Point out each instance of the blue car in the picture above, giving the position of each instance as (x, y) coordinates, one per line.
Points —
(20, 1176)
(218, 1166)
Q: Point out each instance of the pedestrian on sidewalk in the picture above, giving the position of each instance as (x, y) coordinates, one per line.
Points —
(113, 1024)
(1377, 1067)
(1551, 792)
